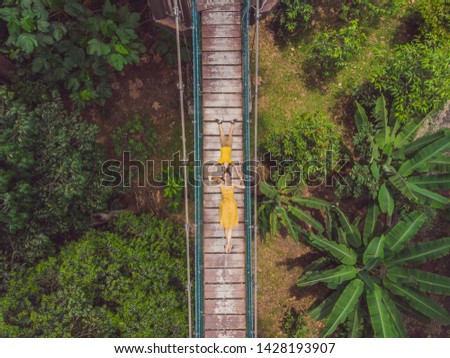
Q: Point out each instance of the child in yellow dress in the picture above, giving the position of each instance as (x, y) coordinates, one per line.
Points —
(228, 210)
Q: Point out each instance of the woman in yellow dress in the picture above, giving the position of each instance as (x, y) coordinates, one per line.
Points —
(228, 210)
(226, 145)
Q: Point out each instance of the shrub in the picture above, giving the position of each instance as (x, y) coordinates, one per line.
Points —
(293, 16)
(333, 49)
(68, 43)
(415, 78)
(371, 275)
(435, 16)
(49, 173)
(304, 147)
(294, 325)
(124, 282)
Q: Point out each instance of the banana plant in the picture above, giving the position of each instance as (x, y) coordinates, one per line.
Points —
(371, 274)
(413, 168)
(282, 206)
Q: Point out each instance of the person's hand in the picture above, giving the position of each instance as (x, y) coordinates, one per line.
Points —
(210, 177)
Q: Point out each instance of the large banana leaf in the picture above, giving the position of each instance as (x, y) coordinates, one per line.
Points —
(352, 233)
(344, 254)
(423, 156)
(344, 306)
(323, 309)
(418, 144)
(374, 253)
(422, 280)
(405, 229)
(268, 190)
(402, 186)
(319, 264)
(385, 200)
(370, 223)
(312, 203)
(381, 320)
(382, 138)
(332, 278)
(361, 119)
(273, 223)
(287, 222)
(425, 196)
(418, 301)
(408, 132)
(431, 181)
(423, 252)
(440, 164)
(355, 321)
(306, 218)
(342, 237)
(391, 308)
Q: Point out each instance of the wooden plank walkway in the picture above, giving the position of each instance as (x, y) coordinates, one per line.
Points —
(224, 274)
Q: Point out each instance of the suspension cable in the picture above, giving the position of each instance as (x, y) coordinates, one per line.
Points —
(185, 163)
(255, 201)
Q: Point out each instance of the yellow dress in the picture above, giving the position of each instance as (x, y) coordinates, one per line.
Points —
(225, 155)
(228, 208)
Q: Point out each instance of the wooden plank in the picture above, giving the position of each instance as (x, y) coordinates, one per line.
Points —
(219, 5)
(221, 276)
(213, 142)
(221, 58)
(220, 322)
(228, 31)
(216, 245)
(224, 291)
(226, 100)
(221, 44)
(231, 260)
(222, 86)
(227, 306)
(222, 72)
(211, 215)
(221, 18)
(226, 334)
(212, 230)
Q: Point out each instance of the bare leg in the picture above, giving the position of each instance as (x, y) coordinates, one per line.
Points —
(223, 139)
(229, 235)
(229, 140)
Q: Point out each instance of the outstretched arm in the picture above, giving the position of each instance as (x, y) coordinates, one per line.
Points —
(215, 181)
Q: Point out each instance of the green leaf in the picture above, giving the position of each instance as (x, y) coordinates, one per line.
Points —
(396, 319)
(402, 186)
(288, 223)
(418, 301)
(370, 223)
(422, 157)
(380, 318)
(419, 144)
(121, 49)
(423, 252)
(385, 200)
(306, 218)
(342, 253)
(98, 48)
(431, 181)
(323, 309)
(375, 169)
(312, 203)
(59, 30)
(403, 231)
(374, 253)
(421, 280)
(117, 61)
(43, 26)
(355, 321)
(352, 233)
(319, 264)
(439, 164)
(27, 23)
(408, 132)
(427, 197)
(27, 42)
(268, 190)
(39, 64)
(107, 27)
(382, 138)
(361, 119)
(332, 278)
(344, 306)
(273, 223)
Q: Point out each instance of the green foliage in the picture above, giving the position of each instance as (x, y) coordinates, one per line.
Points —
(415, 77)
(435, 16)
(394, 163)
(136, 136)
(293, 16)
(366, 286)
(166, 46)
(294, 325)
(303, 148)
(333, 49)
(49, 170)
(281, 206)
(67, 43)
(368, 10)
(125, 282)
(173, 188)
